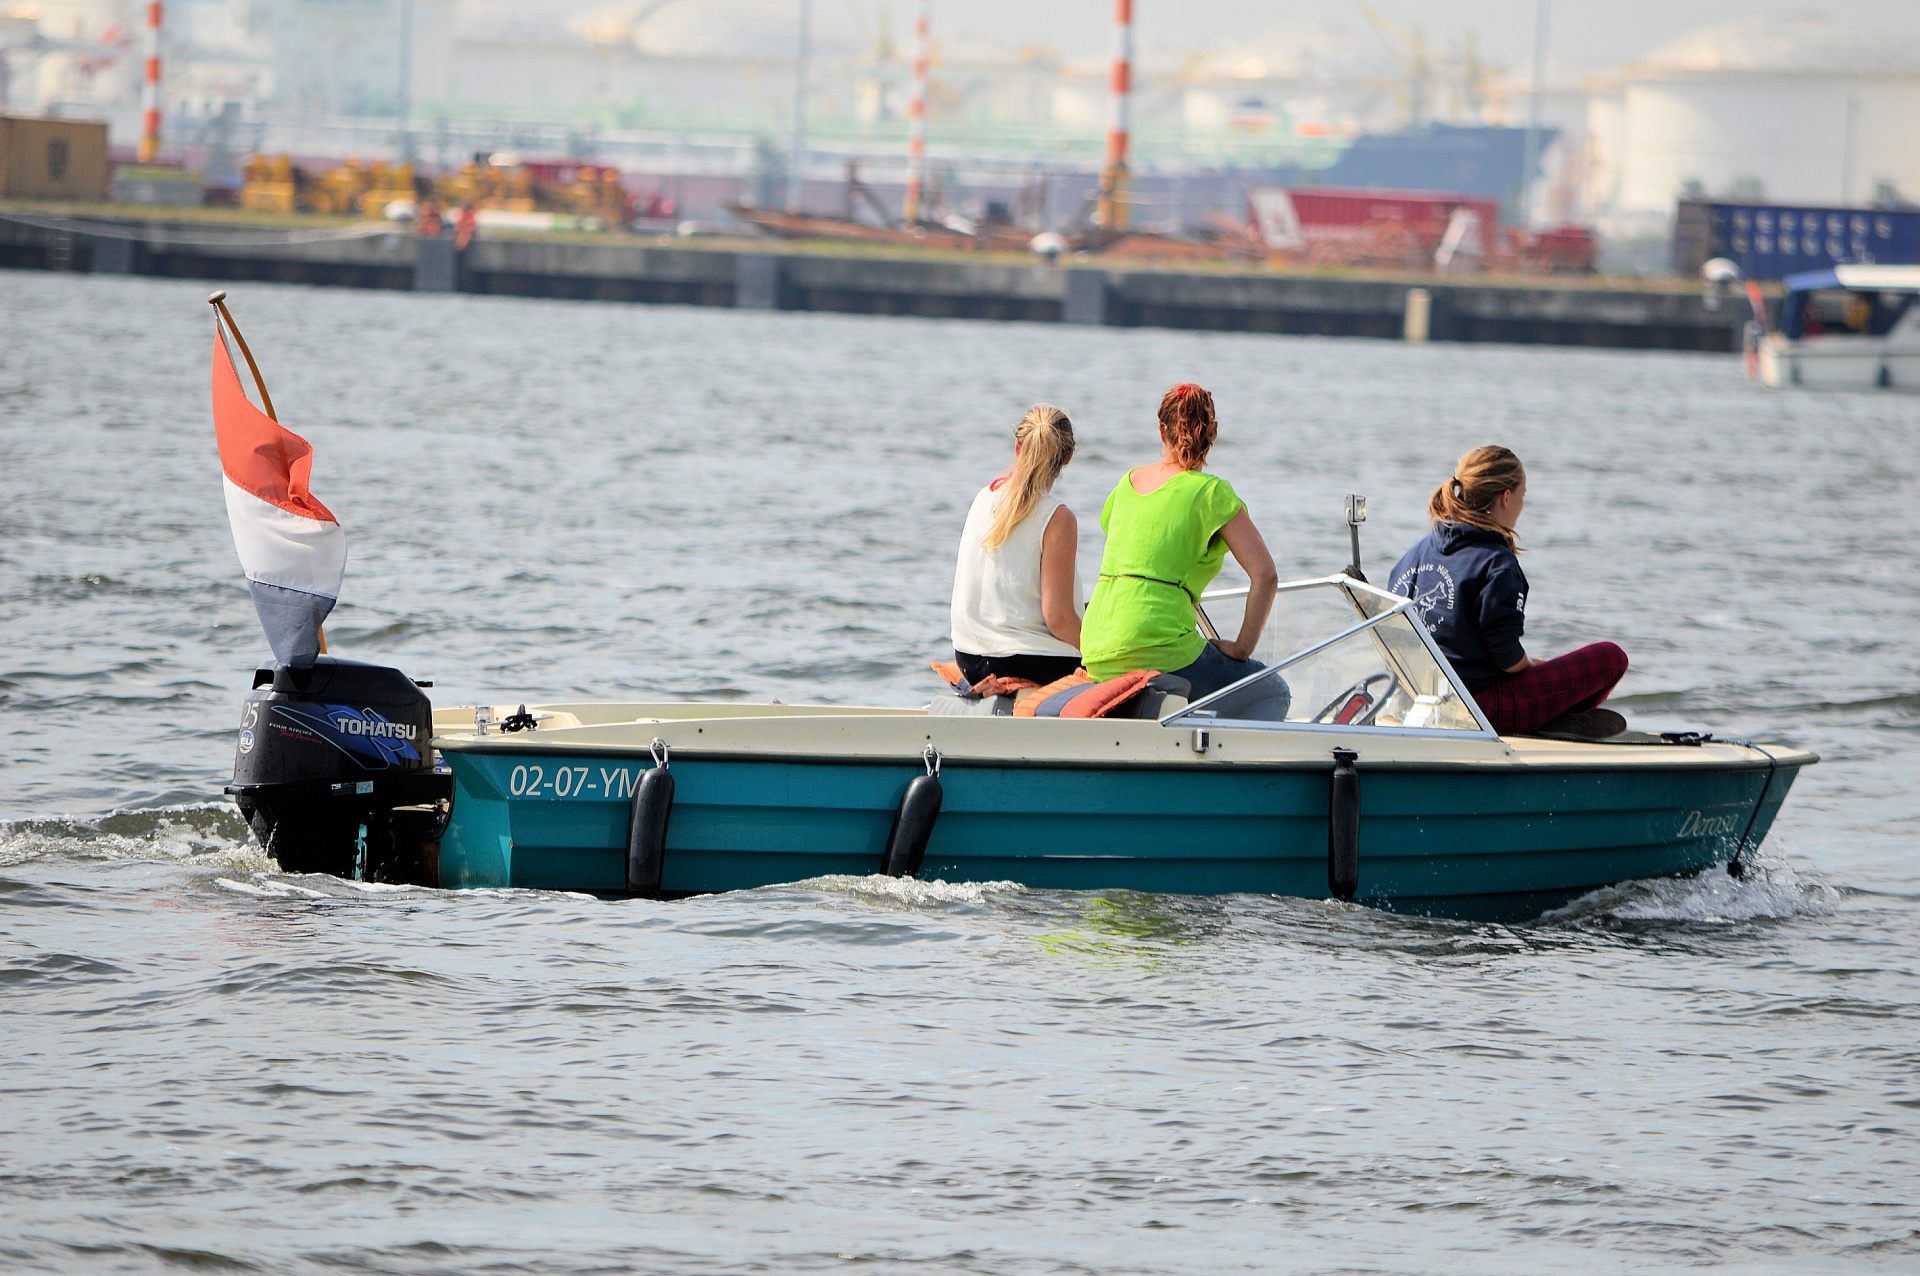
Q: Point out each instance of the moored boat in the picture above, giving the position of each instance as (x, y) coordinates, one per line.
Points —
(1848, 328)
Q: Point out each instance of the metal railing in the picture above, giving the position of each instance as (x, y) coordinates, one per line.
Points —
(1353, 590)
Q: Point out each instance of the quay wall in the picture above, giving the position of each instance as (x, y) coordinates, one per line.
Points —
(756, 276)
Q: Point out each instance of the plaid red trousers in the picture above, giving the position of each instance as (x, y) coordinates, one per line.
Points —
(1542, 692)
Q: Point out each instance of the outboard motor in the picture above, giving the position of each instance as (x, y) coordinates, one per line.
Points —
(334, 774)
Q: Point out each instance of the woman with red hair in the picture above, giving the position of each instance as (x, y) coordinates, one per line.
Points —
(1169, 529)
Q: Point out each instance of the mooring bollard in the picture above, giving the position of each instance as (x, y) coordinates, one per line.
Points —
(1417, 325)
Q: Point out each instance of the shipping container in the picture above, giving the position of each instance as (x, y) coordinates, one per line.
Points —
(1772, 241)
(1405, 230)
(52, 159)
(1424, 211)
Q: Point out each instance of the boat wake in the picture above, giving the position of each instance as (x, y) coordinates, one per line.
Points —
(263, 887)
(212, 836)
(1771, 889)
(909, 892)
(209, 834)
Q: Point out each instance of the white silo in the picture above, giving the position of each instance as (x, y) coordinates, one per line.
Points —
(1793, 110)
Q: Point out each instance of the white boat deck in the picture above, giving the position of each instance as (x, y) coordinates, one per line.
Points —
(869, 733)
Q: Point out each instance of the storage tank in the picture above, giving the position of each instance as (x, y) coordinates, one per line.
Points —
(1787, 110)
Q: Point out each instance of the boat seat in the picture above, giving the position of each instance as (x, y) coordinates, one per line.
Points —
(1161, 694)
(1164, 693)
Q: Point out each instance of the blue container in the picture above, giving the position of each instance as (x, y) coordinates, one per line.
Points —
(1771, 241)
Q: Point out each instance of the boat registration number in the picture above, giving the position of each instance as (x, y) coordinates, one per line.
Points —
(535, 780)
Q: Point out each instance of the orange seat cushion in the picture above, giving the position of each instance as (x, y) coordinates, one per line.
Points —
(1078, 696)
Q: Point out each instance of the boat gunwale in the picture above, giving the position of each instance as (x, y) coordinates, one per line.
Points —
(1373, 731)
(1574, 766)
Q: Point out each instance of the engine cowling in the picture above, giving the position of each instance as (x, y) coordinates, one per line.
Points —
(334, 772)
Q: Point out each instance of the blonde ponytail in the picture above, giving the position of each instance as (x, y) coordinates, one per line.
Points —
(1469, 496)
(1044, 439)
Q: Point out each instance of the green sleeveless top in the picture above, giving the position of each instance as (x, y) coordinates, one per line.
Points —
(1162, 550)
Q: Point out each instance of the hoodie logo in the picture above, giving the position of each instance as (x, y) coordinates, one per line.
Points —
(1431, 587)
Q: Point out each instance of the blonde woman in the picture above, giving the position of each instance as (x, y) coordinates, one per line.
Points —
(1465, 580)
(1015, 609)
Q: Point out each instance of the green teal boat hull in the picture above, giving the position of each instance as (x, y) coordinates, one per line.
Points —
(1497, 843)
(1191, 798)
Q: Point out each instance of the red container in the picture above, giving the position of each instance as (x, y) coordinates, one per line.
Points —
(1426, 213)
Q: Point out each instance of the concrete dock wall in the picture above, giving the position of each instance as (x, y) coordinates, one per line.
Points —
(762, 277)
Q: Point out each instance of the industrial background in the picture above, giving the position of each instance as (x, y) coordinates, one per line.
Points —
(1454, 138)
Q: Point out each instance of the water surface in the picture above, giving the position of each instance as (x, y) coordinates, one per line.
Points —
(215, 1066)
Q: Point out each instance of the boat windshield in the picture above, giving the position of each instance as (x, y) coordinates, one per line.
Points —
(1837, 312)
(1867, 301)
(1352, 656)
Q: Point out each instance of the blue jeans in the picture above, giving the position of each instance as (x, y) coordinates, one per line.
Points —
(1265, 701)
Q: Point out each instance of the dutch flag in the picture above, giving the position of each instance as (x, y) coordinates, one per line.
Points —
(291, 546)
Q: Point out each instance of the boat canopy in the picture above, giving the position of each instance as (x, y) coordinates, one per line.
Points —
(1857, 279)
(1354, 657)
(1859, 301)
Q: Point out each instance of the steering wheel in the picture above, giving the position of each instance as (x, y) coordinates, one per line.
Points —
(1357, 706)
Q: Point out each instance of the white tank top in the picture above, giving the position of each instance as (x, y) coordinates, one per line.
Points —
(996, 593)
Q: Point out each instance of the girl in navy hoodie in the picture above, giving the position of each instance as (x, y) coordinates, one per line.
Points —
(1465, 580)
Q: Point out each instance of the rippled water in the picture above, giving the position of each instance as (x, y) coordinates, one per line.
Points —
(211, 1065)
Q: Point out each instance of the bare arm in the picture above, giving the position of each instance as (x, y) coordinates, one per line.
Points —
(1059, 547)
(1249, 549)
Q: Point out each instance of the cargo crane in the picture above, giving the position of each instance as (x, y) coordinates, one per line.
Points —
(87, 57)
(621, 24)
(1410, 49)
(1475, 76)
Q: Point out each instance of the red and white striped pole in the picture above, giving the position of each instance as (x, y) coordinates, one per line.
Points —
(917, 122)
(150, 89)
(1111, 211)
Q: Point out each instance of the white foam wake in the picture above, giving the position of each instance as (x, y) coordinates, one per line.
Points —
(1771, 888)
(209, 835)
(268, 888)
(910, 891)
